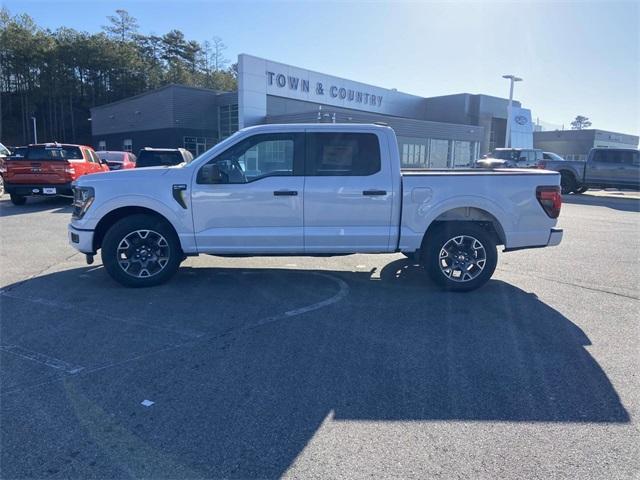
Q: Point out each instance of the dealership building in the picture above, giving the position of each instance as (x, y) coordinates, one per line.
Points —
(433, 132)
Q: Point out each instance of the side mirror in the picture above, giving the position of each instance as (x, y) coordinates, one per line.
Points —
(210, 174)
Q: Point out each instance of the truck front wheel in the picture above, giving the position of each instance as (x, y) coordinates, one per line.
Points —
(460, 256)
(141, 251)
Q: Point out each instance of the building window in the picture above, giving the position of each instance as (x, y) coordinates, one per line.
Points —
(127, 145)
(462, 154)
(198, 145)
(227, 120)
(413, 152)
(276, 150)
(102, 145)
(438, 153)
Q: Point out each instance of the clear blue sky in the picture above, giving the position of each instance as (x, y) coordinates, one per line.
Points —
(579, 57)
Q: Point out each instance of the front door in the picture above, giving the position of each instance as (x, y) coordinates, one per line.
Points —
(254, 203)
(348, 194)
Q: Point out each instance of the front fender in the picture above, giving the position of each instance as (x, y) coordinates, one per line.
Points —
(179, 217)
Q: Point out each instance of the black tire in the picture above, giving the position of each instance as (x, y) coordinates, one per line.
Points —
(442, 236)
(567, 183)
(18, 199)
(126, 229)
(580, 190)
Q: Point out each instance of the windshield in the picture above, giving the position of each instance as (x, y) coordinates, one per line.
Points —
(111, 156)
(4, 150)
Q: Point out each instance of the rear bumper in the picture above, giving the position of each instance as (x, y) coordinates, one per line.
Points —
(555, 237)
(28, 189)
(81, 240)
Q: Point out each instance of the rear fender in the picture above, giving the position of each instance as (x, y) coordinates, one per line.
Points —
(415, 227)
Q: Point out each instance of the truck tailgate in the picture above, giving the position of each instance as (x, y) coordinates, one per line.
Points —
(37, 171)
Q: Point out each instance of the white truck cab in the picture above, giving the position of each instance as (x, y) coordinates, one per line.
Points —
(310, 189)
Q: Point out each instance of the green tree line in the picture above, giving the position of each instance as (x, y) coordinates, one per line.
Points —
(57, 76)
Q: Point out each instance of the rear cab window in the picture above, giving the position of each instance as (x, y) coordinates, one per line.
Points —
(46, 153)
(342, 154)
(150, 158)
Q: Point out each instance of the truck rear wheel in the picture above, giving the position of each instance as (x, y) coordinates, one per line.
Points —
(567, 183)
(141, 251)
(460, 256)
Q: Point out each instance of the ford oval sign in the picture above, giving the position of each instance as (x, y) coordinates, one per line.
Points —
(521, 120)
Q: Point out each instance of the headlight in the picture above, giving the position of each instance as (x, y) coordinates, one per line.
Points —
(82, 200)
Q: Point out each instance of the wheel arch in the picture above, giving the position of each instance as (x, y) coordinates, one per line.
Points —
(475, 215)
(117, 214)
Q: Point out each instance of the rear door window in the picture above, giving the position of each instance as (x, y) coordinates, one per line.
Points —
(342, 154)
(607, 156)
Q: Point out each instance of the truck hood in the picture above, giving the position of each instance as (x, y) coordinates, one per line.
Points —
(128, 175)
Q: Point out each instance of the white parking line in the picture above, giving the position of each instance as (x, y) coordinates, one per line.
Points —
(342, 293)
(42, 358)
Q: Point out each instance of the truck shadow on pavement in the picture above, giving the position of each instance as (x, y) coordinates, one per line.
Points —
(245, 402)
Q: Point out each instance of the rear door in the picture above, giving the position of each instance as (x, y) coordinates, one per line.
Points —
(630, 171)
(347, 194)
(606, 168)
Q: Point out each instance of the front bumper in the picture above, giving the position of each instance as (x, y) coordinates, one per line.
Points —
(81, 240)
(28, 189)
(555, 237)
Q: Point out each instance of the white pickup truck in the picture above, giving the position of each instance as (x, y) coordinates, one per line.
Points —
(317, 190)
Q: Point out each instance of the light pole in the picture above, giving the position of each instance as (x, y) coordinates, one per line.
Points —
(513, 79)
(35, 131)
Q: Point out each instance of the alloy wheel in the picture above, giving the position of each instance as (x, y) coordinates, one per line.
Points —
(462, 258)
(143, 253)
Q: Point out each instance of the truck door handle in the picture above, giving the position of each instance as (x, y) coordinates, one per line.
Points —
(374, 192)
(285, 193)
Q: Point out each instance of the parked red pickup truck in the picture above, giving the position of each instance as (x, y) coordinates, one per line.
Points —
(49, 169)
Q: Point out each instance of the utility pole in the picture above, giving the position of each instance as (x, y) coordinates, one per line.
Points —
(513, 79)
(35, 130)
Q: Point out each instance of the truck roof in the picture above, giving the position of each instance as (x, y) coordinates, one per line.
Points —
(347, 127)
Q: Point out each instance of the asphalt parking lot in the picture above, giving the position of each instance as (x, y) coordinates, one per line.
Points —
(348, 367)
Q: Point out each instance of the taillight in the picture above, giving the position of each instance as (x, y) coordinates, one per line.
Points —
(550, 199)
(69, 170)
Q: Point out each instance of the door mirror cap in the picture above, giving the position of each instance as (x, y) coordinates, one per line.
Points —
(210, 174)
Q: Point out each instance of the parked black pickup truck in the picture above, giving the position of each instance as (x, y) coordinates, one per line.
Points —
(604, 168)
